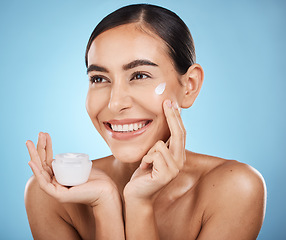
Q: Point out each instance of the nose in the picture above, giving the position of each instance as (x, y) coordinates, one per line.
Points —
(120, 99)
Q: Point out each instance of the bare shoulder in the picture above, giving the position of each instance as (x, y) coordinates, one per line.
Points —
(33, 195)
(235, 177)
(48, 218)
(218, 173)
(234, 198)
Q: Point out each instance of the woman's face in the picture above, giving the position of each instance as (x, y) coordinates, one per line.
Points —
(125, 65)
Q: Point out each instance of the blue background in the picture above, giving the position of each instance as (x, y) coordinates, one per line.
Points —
(239, 114)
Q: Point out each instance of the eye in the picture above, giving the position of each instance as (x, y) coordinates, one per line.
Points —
(97, 79)
(139, 76)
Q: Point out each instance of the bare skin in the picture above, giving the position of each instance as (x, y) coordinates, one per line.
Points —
(200, 188)
(152, 187)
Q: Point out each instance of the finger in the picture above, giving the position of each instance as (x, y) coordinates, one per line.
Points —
(38, 173)
(42, 151)
(177, 111)
(51, 187)
(177, 139)
(168, 143)
(41, 147)
(146, 162)
(160, 170)
(35, 158)
(173, 164)
(153, 149)
(49, 150)
(47, 186)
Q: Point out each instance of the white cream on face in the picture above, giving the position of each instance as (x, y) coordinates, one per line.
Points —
(160, 88)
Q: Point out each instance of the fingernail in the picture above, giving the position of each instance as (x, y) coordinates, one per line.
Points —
(168, 103)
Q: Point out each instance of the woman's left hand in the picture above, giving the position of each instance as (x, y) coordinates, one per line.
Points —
(162, 163)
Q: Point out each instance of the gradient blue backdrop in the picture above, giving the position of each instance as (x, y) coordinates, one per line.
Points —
(239, 114)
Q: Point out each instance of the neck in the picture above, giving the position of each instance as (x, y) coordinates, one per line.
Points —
(123, 173)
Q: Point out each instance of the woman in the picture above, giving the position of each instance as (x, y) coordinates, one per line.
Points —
(151, 187)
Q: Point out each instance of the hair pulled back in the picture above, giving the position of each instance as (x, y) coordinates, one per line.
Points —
(163, 22)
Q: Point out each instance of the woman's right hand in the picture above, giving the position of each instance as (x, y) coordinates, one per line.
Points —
(97, 190)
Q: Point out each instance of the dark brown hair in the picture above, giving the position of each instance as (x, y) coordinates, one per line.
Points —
(163, 22)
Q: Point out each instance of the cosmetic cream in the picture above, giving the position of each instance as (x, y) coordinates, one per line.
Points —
(71, 169)
(160, 88)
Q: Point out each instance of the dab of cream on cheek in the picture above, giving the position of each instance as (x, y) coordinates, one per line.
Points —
(160, 88)
(71, 169)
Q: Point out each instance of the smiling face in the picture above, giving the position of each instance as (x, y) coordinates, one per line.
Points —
(125, 65)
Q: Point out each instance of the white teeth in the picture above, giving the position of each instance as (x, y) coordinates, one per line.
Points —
(127, 127)
(115, 127)
(135, 126)
(130, 127)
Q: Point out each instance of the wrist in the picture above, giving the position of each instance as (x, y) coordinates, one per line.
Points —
(109, 195)
(140, 222)
(108, 205)
(108, 217)
(131, 198)
(133, 204)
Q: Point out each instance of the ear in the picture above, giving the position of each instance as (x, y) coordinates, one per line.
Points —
(192, 81)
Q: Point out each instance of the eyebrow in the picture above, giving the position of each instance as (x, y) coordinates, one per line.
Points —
(94, 67)
(128, 66)
(137, 63)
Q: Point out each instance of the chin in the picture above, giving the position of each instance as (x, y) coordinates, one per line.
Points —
(127, 154)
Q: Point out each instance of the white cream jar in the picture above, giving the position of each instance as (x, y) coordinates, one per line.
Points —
(71, 169)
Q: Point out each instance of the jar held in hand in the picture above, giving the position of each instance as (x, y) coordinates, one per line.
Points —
(71, 169)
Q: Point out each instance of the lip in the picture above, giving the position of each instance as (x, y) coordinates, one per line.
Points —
(126, 135)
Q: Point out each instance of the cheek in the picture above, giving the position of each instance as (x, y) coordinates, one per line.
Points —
(150, 100)
(153, 101)
(94, 103)
(88, 104)
(156, 96)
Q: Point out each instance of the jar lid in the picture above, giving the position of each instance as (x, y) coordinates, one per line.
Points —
(71, 158)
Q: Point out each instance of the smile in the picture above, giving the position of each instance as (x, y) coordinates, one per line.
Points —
(128, 128)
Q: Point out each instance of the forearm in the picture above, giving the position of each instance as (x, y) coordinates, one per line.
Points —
(108, 220)
(140, 222)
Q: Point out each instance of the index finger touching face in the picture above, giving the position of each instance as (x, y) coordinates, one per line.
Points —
(175, 123)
